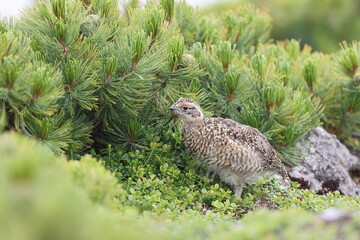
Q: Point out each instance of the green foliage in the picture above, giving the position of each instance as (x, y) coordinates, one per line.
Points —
(99, 184)
(324, 79)
(346, 123)
(98, 78)
(38, 198)
(244, 27)
(44, 196)
(254, 91)
(157, 182)
(30, 90)
(321, 24)
(79, 74)
(168, 6)
(310, 73)
(102, 76)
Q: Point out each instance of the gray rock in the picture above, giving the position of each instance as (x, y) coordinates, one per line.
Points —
(325, 164)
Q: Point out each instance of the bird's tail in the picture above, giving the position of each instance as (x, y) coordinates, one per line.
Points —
(284, 173)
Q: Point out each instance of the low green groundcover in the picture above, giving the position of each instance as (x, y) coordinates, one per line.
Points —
(46, 197)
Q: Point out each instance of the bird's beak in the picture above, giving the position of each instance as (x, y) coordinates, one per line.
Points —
(172, 108)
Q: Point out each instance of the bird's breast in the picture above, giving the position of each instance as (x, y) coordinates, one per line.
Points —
(207, 146)
(197, 141)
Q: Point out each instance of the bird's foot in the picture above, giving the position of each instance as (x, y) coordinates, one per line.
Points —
(210, 175)
(285, 183)
(238, 190)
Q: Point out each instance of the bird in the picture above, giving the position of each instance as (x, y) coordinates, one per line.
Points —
(239, 154)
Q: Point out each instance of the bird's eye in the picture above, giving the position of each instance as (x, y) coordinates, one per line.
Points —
(185, 108)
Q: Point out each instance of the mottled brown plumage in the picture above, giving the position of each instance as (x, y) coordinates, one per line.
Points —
(238, 153)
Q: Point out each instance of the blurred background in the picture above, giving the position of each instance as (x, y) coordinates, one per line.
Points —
(320, 24)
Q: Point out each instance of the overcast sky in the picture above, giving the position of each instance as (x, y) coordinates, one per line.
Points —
(13, 7)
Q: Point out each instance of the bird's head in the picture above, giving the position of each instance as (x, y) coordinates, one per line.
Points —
(187, 110)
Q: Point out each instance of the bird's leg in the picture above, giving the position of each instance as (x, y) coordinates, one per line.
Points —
(284, 179)
(284, 182)
(284, 173)
(238, 190)
(210, 174)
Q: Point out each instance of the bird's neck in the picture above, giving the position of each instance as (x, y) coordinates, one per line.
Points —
(193, 122)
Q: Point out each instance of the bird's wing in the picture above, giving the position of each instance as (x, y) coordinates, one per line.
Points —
(243, 148)
(231, 149)
(252, 138)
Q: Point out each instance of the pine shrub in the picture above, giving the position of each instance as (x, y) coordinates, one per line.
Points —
(81, 74)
